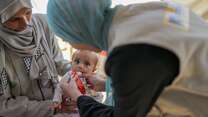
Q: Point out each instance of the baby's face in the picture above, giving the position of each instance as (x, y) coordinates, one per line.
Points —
(84, 61)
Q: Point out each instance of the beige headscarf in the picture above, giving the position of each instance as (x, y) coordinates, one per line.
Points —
(21, 42)
(9, 7)
(27, 42)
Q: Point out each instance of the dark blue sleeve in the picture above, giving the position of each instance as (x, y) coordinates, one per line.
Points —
(88, 107)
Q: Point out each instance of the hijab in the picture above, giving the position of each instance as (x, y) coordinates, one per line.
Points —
(28, 42)
(81, 21)
(23, 43)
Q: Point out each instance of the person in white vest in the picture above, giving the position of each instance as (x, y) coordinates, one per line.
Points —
(158, 56)
(30, 62)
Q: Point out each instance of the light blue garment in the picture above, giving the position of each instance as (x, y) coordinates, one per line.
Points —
(81, 21)
(109, 93)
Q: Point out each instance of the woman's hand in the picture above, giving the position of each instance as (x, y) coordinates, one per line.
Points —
(70, 89)
(95, 81)
(68, 105)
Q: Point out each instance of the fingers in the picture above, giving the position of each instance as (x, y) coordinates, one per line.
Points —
(63, 80)
(72, 82)
(67, 76)
(91, 75)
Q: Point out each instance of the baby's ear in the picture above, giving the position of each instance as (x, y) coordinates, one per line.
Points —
(94, 69)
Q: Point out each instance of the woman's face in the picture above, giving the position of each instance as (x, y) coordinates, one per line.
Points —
(20, 20)
(85, 47)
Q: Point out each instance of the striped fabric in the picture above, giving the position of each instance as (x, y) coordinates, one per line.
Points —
(3, 81)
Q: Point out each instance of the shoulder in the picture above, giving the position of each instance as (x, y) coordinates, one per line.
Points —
(40, 19)
(132, 21)
(134, 9)
(142, 13)
(138, 14)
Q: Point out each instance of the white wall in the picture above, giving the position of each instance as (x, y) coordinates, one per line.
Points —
(39, 6)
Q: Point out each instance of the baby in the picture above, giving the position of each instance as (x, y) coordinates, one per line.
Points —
(83, 62)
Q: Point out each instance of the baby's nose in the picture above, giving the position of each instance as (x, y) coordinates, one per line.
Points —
(81, 67)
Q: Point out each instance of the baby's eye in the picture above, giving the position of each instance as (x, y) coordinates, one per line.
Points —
(77, 61)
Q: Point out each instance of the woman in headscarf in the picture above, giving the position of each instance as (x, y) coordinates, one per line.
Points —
(30, 61)
(152, 47)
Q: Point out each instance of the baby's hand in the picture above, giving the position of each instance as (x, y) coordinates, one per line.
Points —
(77, 76)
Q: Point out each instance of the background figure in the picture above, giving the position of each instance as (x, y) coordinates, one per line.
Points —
(30, 61)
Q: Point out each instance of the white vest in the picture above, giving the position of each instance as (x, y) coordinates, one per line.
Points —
(181, 31)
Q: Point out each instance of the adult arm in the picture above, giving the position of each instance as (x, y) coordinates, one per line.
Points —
(62, 65)
(88, 107)
(21, 106)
